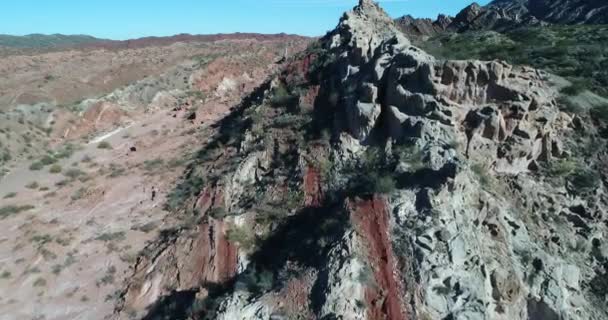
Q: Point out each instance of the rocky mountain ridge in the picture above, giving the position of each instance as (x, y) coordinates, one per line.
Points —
(369, 180)
(501, 15)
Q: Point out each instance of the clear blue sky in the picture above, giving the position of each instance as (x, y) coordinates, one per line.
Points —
(124, 19)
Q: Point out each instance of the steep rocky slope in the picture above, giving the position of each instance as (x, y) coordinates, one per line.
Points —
(369, 180)
(502, 15)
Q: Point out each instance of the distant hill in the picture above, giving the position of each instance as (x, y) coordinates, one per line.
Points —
(503, 15)
(38, 41)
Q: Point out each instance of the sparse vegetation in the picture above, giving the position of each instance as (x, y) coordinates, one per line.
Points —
(112, 236)
(583, 180)
(241, 235)
(32, 185)
(104, 145)
(483, 175)
(152, 165)
(79, 194)
(36, 166)
(55, 169)
(10, 195)
(40, 282)
(185, 190)
(600, 113)
(7, 211)
(575, 52)
(108, 278)
(73, 173)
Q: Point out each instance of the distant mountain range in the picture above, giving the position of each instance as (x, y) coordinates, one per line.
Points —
(42, 41)
(503, 15)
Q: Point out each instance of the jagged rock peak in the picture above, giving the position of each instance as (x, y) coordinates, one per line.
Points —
(364, 28)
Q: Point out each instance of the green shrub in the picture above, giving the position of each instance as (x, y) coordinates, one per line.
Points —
(79, 194)
(32, 185)
(191, 186)
(573, 90)
(10, 195)
(600, 113)
(561, 168)
(152, 165)
(584, 180)
(104, 145)
(280, 96)
(244, 237)
(47, 160)
(36, 166)
(55, 168)
(112, 236)
(73, 173)
(7, 211)
(40, 282)
(383, 184)
(218, 213)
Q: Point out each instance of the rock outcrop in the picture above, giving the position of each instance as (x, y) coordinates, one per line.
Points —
(414, 189)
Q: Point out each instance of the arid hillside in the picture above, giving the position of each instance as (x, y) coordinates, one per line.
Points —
(92, 141)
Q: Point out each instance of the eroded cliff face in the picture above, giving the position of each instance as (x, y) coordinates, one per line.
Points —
(371, 181)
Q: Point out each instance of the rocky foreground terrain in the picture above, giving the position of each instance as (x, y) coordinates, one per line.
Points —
(358, 177)
(370, 180)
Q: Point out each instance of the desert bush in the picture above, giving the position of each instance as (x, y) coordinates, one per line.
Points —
(40, 282)
(574, 89)
(48, 160)
(112, 236)
(218, 213)
(73, 173)
(36, 166)
(116, 171)
(32, 185)
(583, 180)
(10, 195)
(560, 168)
(184, 190)
(108, 278)
(104, 145)
(7, 211)
(55, 168)
(600, 113)
(241, 235)
(152, 165)
(280, 96)
(79, 194)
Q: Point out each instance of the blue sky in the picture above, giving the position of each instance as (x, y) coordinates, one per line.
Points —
(124, 19)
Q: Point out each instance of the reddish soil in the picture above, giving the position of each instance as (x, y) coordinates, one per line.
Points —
(216, 257)
(297, 70)
(294, 298)
(371, 219)
(312, 187)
